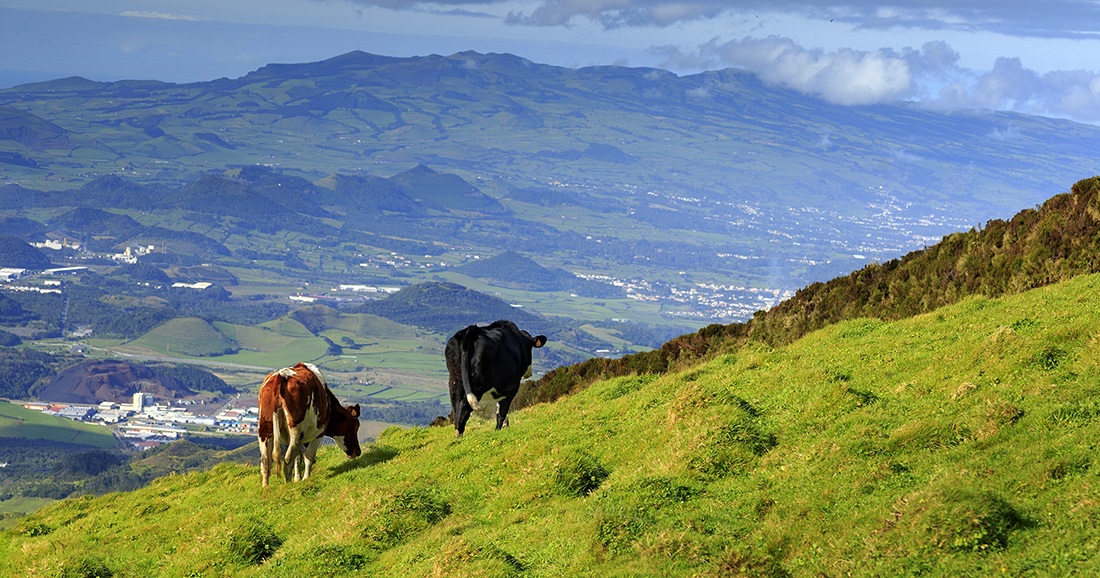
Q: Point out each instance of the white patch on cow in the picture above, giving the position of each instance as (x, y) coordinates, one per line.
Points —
(299, 448)
(472, 400)
(340, 443)
(309, 427)
(287, 372)
(316, 371)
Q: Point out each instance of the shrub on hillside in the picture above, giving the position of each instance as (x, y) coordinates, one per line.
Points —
(253, 542)
(968, 520)
(87, 567)
(405, 515)
(578, 475)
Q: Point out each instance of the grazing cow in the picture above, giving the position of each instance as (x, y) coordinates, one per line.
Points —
(297, 408)
(487, 360)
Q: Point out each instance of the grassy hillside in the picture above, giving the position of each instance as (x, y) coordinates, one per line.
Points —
(958, 442)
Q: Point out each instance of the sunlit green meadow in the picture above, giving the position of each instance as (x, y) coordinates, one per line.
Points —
(957, 443)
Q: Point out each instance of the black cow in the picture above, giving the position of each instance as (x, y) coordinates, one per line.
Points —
(487, 360)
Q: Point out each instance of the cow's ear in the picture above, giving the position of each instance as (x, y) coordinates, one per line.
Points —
(540, 340)
(354, 410)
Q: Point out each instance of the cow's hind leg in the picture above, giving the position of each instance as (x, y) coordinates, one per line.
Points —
(502, 412)
(293, 453)
(265, 458)
(279, 436)
(460, 408)
(462, 413)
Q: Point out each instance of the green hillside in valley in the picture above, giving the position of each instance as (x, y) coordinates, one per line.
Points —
(187, 336)
(19, 422)
(957, 442)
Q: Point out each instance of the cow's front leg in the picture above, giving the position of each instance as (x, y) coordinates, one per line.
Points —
(502, 412)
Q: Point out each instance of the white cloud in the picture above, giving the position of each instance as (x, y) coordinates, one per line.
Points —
(157, 15)
(930, 76)
(700, 92)
(1010, 86)
(842, 77)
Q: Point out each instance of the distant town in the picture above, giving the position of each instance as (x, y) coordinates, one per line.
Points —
(144, 423)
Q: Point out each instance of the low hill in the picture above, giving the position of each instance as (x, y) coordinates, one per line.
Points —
(319, 318)
(187, 456)
(445, 308)
(948, 444)
(94, 381)
(23, 368)
(21, 227)
(16, 253)
(190, 336)
(511, 269)
(444, 191)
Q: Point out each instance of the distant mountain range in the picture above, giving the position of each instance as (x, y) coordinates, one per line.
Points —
(716, 174)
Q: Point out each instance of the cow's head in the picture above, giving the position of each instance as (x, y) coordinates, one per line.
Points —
(344, 430)
(536, 341)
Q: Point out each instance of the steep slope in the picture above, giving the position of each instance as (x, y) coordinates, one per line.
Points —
(953, 443)
(1037, 247)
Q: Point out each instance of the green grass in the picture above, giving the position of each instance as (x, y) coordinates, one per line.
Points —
(17, 421)
(958, 443)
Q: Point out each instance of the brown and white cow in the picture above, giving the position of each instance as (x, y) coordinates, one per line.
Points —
(297, 408)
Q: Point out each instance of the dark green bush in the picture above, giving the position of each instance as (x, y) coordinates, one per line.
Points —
(88, 567)
(579, 475)
(253, 542)
(968, 520)
(405, 516)
(35, 529)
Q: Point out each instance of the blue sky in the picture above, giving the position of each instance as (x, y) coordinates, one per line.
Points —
(1033, 57)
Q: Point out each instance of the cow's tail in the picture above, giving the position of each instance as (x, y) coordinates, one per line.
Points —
(268, 429)
(281, 377)
(464, 359)
(270, 390)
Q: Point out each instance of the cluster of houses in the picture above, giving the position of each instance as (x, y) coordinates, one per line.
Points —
(147, 424)
(129, 255)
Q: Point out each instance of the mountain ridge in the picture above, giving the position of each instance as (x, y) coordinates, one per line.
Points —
(719, 163)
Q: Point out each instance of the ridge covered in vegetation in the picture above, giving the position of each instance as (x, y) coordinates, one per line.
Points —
(1037, 247)
(950, 443)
